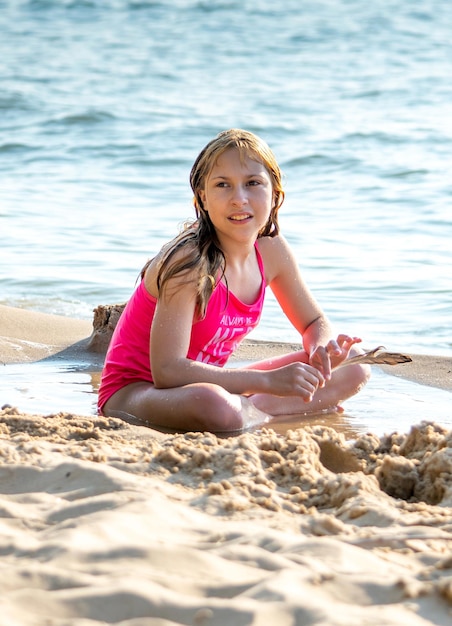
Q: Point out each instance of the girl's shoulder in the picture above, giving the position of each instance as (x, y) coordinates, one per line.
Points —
(170, 256)
(276, 255)
(271, 244)
(149, 274)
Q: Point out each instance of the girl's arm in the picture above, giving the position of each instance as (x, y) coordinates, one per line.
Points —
(170, 338)
(301, 308)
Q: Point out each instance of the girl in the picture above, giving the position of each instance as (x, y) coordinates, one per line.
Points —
(203, 293)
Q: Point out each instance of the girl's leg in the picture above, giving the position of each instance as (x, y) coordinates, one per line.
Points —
(204, 406)
(300, 356)
(195, 407)
(344, 383)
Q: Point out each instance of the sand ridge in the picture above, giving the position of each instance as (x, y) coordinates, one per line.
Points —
(105, 522)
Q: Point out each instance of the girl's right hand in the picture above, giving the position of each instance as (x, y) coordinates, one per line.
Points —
(295, 379)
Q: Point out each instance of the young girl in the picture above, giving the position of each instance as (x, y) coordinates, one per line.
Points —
(203, 293)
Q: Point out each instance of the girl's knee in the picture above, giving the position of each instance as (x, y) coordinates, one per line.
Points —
(356, 377)
(217, 410)
(362, 374)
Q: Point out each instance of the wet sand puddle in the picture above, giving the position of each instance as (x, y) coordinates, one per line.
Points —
(386, 405)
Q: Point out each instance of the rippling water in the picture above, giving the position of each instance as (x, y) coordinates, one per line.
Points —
(105, 105)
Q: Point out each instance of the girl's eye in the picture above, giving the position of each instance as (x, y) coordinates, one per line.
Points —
(222, 184)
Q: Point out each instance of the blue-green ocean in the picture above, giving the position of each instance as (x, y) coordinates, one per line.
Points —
(104, 105)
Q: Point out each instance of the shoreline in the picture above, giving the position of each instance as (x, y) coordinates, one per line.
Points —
(30, 336)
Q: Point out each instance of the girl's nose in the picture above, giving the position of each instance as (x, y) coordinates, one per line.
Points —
(239, 196)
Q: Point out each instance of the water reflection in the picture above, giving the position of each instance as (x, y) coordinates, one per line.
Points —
(50, 386)
(387, 404)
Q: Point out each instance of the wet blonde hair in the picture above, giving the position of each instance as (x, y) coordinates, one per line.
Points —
(198, 239)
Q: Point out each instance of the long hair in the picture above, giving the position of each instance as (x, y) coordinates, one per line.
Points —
(198, 239)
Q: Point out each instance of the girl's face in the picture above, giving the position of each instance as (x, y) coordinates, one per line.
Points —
(238, 196)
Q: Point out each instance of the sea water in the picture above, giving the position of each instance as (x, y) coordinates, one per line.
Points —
(104, 105)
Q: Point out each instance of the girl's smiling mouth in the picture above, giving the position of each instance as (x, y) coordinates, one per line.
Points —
(239, 217)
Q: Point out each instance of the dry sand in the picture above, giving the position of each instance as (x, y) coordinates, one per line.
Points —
(107, 523)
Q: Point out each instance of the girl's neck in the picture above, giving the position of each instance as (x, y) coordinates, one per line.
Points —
(237, 254)
(243, 276)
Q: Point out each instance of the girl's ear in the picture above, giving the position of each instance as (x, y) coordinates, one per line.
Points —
(202, 195)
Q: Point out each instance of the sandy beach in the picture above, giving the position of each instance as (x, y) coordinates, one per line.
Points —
(105, 522)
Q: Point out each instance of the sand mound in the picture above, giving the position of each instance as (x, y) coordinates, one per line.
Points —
(105, 318)
(104, 522)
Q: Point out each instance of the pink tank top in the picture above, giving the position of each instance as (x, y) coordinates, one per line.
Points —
(213, 339)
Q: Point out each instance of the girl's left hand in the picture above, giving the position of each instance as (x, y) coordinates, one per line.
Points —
(326, 358)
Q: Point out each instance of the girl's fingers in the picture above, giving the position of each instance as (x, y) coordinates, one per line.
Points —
(312, 376)
(333, 347)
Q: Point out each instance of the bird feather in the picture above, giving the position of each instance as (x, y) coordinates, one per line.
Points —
(377, 356)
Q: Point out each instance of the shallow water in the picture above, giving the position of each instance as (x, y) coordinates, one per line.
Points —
(104, 107)
(50, 387)
(387, 403)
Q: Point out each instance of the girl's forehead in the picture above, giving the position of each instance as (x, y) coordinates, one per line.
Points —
(233, 157)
